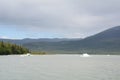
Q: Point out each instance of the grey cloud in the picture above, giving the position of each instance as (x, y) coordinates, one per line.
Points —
(61, 16)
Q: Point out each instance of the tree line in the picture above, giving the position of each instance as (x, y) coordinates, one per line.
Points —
(9, 49)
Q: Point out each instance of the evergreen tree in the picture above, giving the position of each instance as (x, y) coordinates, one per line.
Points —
(7, 49)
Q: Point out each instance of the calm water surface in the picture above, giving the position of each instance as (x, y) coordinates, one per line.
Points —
(60, 67)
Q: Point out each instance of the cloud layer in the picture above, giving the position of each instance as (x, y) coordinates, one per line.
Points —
(70, 18)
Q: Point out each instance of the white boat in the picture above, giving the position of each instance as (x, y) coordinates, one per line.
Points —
(28, 54)
(85, 55)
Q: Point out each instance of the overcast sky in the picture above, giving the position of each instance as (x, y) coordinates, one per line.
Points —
(57, 18)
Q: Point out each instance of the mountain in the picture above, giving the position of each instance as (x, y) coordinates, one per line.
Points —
(106, 41)
(110, 34)
(30, 40)
(42, 44)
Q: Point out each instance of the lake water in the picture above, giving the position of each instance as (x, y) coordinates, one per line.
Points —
(60, 67)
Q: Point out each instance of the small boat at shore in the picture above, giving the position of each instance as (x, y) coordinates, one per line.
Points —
(28, 54)
(85, 55)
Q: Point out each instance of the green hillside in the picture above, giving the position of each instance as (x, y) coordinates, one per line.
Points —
(8, 49)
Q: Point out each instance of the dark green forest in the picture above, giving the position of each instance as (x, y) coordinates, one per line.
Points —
(9, 49)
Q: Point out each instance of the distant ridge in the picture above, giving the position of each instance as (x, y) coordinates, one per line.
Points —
(105, 41)
(107, 34)
(31, 40)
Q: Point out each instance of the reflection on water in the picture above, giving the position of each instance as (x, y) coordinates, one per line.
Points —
(60, 67)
